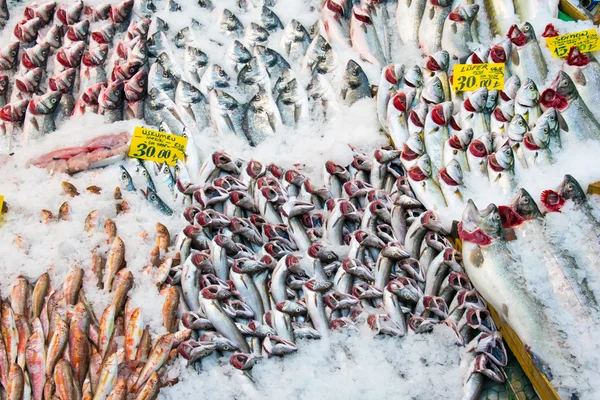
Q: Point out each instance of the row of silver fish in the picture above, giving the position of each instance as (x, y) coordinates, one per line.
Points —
(491, 134)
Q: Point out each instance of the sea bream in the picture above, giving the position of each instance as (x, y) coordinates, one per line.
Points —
(295, 41)
(356, 84)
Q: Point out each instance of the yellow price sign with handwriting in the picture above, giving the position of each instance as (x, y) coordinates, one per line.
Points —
(469, 77)
(152, 145)
(586, 41)
(1, 203)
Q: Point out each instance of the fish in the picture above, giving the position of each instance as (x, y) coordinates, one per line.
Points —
(319, 56)
(398, 115)
(214, 78)
(193, 101)
(391, 76)
(583, 68)
(430, 30)
(292, 103)
(451, 183)
(230, 24)
(577, 119)
(487, 257)
(409, 14)
(156, 201)
(195, 64)
(436, 131)
(501, 168)
(262, 120)
(456, 147)
(527, 60)
(356, 84)
(334, 25)
(364, 38)
(237, 56)
(295, 41)
(527, 102)
(39, 119)
(457, 31)
(226, 113)
(426, 189)
(110, 101)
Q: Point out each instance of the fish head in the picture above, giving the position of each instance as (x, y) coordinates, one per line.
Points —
(486, 367)
(511, 87)
(529, 33)
(354, 74)
(46, 103)
(452, 174)
(438, 61)
(433, 92)
(539, 135)
(516, 36)
(490, 222)
(499, 52)
(479, 56)
(421, 170)
(243, 361)
(524, 205)
(564, 86)
(517, 128)
(570, 189)
(528, 95)
(414, 77)
(550, 116)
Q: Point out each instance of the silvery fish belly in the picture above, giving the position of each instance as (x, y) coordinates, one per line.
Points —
(432, 24)
(409, 14)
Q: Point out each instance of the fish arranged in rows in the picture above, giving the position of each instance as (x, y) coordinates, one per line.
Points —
(433, 25)
(491, 266)
(122, 61)
(259, 264)
(494, 135)
(53, 346)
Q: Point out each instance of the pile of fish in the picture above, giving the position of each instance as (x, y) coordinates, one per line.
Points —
(260, 264)
(490, 135)
(54, 347)
(492, 266)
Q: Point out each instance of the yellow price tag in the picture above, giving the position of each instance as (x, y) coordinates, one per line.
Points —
(1, 203)
(586, 41)
(468, 77)
(152, 145)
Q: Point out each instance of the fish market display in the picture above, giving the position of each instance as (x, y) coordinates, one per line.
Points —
(339, 203)
(54, 346)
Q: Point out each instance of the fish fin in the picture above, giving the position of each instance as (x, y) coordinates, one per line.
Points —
(453, 28)
(476, 257)
(364, 28)
(579, 78)
(408, 3)
(343, 94)
(562, 123)
(230, 124)
(272, 121)
(515, 58)
(431, 13)
(297, 114)
(470, 116)
(526, 116)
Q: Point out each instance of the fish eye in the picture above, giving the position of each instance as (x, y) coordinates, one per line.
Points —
(569, 187)
(53, 100)
(152, 196)
(545, 130)
(564, 83)
(526, 200)
(497, 217)
(13, 53)
(124, 176)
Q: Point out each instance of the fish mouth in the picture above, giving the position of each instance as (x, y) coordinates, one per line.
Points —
(408, 154)
(494, 164)
(26, 61)
(390, 75)
(417, 174)
(551, 99)
(6, 113)
(437, 115)
(517, 37)
(336, 8)
(448, 180)
(529, 143)
(399, 101)
(576, 58)
(510, 218)
(499, 115)
(456, 16)
(414, 118)
(498, 54)
(477, 148)
(455, 143)
(552, 200)
(432, 64)
(550, 31)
